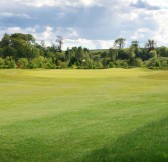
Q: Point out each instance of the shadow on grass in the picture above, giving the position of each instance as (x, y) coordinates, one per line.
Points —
(146, 144)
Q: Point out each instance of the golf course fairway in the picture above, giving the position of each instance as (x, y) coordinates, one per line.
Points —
(111, 115)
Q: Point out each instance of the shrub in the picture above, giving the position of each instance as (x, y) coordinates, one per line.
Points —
(61, 64)
(111, 65)
(125, 64)
(164, 62)
(153, 63)
(152, 54)
(9, 63)
(138, 62)
(2, 63)
(47, 64)
(22, 63)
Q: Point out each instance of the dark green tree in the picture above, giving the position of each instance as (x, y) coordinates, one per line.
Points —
(150, 44)
(163, 51)
(59, 40)
(120, 43)
(113, 54)
(122, 54)
(5, 41)
(137, 49)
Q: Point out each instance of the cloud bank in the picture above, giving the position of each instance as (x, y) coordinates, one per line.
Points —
(88, 23)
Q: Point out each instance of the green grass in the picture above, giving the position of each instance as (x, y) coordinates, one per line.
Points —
(148, 143)
(83, 115)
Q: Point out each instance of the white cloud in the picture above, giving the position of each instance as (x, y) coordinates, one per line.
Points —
(91, 44)
(69, 3)
(49, 36)
(60, 3)
(90, 23)
(161, 34)
(78, 42)
(140, 33)
(10, 14)
(18, 29)
(160, 3)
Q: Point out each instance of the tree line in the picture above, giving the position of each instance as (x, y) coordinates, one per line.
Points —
(20, 50)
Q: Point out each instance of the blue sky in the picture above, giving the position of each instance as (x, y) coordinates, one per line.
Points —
(94, 24)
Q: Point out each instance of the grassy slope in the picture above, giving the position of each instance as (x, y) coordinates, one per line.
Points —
(83, 115)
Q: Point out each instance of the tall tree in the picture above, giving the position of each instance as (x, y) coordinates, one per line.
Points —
(137, 49)
(163, 51)
(150, 44)
(120, 43)
(5, 41)
(113, 54)
(59, 40)
(135, 44)
(26, 37)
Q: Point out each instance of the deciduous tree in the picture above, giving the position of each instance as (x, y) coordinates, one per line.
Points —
(150, 44)
(120, 43)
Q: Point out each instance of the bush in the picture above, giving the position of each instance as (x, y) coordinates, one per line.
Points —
(22, 63)
(61, 65)
(153, 63)
(139, 62)
(118, 63)
(38, 62)
(111, 65)
(9, 63)
(98, 65)
(33, 65)
(47, 64)
(152, 54)
(2, 63)
(125, 64)
(163, 51)
(164, 62)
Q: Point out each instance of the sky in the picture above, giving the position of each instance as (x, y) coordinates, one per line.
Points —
(94, 24)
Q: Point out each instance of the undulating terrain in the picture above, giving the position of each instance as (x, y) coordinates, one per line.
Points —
(83, 115)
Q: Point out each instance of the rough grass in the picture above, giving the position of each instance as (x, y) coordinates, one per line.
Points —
(83, 115)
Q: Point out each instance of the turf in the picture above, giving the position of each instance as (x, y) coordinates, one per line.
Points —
(83, 115)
